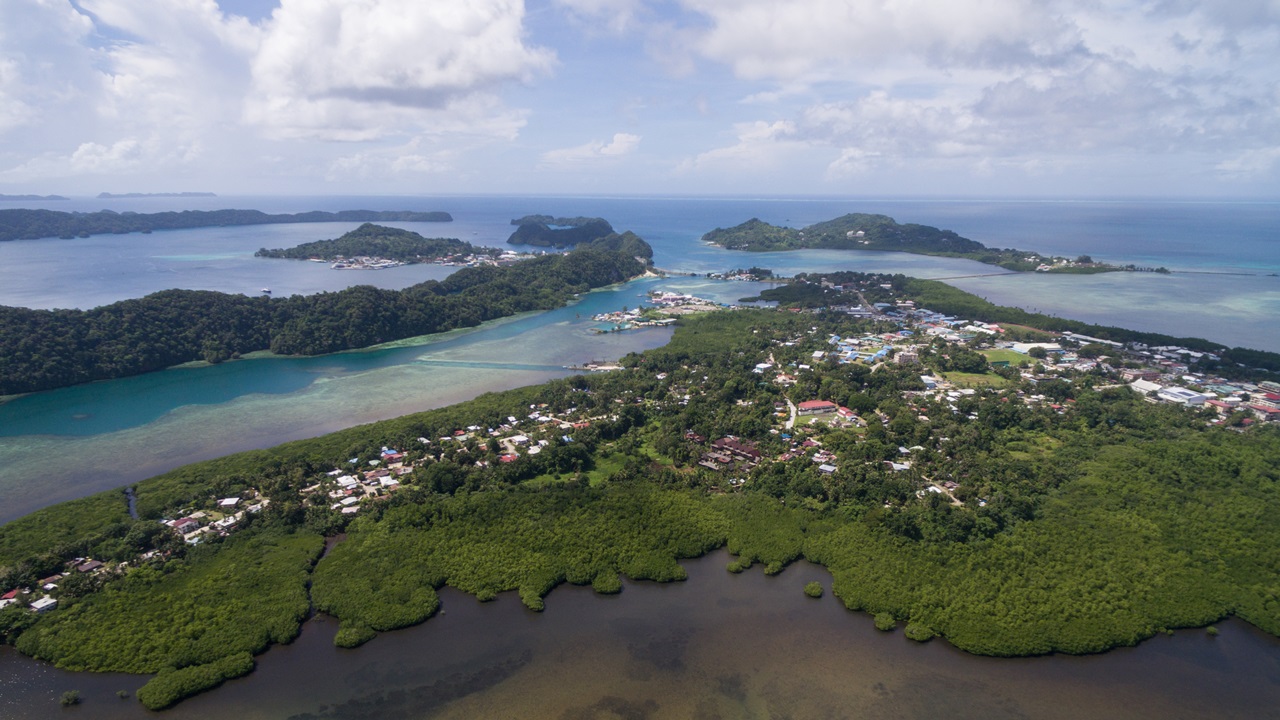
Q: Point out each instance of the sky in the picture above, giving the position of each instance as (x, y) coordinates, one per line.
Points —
(1095, 98)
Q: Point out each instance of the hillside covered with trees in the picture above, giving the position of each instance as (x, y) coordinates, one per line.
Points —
(378, 241)
(23, 224)
(859, 231)
(44, 349)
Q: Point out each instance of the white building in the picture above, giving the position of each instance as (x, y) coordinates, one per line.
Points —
(1182, 396)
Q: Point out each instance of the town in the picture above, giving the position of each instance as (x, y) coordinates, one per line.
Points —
(945, 371)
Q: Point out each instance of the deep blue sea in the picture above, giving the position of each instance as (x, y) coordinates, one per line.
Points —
(70, 442)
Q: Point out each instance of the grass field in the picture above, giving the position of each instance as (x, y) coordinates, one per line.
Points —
(1013, 358)
(974, 380)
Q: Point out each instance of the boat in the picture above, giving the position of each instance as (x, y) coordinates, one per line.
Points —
(266, 291)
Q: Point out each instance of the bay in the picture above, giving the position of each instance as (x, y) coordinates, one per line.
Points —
(716, 646)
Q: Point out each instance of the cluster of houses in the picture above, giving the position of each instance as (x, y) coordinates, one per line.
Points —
(666, 307)
(43, 597)
(373, 262)
(200, 525)
(727, 453)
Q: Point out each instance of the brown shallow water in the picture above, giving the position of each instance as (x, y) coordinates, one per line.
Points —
(716, 646)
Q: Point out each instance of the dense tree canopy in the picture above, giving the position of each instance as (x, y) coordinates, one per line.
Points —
(43, 349)
(377, 241)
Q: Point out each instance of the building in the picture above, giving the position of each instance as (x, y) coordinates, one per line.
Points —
(816, 407)
(1145, 387)
(44, 604)
(1182, 396)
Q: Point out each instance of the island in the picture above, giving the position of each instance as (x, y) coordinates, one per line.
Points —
(125, 196)
(29, 198)
(1016, 489)
(858, 231)
(375, 246)
(25, 224)
(548, 231)
(45, 349)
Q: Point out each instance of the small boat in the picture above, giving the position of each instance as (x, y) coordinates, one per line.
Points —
(266, 291)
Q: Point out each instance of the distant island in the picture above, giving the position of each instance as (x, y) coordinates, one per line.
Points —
(35, 224)
(548, 231)
(120, 196)
(383, 243)
(29, 198)
(859, 231)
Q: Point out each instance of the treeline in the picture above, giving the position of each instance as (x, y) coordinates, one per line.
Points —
(23, 224)
(377, 241)
(44, 349)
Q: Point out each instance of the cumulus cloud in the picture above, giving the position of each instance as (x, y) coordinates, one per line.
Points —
(326, 68)
(621, 144)
(1001, 80)
(825, 39)
(33, 90)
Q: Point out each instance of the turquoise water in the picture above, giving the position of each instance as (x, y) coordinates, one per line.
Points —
(70, 442)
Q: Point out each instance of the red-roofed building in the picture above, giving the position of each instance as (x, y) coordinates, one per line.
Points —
(1262, 412)
(816, 407)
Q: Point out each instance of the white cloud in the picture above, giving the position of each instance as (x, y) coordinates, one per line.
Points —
(621, 144)
(44, 65)
(329, 69)
(142, 88)
(759, 146)
(827, 39)
(614, 15)
(1001, 82)
(1251, 165)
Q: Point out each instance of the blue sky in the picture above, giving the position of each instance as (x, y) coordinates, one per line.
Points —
(832, 97)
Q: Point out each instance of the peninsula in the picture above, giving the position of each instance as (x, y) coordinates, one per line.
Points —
(858, 231)
(1011, 488)
(24, 224)
(45, 349)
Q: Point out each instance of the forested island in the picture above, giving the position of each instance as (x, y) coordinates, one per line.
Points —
(378, 241)
(45, 349)
(548, 231)
(24, 224)
(29, 198)
(1016, 504)
(858, 231)
(132, 195)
